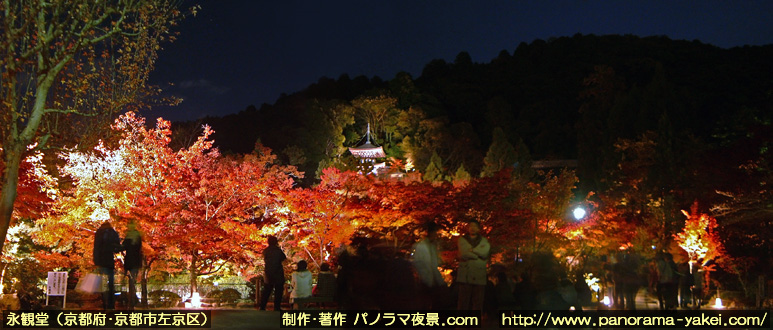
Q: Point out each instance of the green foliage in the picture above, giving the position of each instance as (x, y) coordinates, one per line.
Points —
(295, 155)
(28, 279)
(501, 155)
(346, 162)
(163, 299)
(434, 171)
(322, 134)
(462, 175)
(27, 264)
(225, 296)
(382, 115)
(523, 162)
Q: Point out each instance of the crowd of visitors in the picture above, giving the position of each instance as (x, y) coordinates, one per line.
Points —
(367, 278)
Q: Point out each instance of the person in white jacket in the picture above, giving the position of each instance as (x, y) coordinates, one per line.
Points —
(472, 277)
(426, 260)
(301, 282)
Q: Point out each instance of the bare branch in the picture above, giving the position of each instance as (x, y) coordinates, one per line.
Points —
(70, 111)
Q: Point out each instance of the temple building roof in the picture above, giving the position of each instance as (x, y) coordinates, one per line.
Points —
(368, 149)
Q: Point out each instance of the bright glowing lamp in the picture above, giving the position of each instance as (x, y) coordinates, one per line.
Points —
(195, 300)
(579, 213)
(607, 301)
(718, 303)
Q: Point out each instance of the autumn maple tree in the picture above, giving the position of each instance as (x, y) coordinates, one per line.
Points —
(320, 218)
(700, 240)
(392, 210)
(199, 211)
(37, 188)
(216, 217)
(65, 59)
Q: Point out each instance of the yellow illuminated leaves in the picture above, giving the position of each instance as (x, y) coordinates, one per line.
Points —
(698, 238)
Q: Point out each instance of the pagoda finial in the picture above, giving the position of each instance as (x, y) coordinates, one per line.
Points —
(368, 150)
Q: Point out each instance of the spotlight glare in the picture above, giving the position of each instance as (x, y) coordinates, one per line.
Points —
(579, 213)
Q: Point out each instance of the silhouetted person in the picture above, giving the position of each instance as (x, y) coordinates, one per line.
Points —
(569, 293)
(607, 277)
(685, 284)
(667, 281)
(630, 265)
(584, 293)
(106, 244)
(473, 255)
(503, 291)
(652, 275)
(618, 277)
(326, 282)
(697, 286)
(133, 259)
(546, 272)
(345, 264)
(524, 292)
(275, 276)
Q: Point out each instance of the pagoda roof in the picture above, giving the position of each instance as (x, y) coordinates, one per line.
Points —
(368, 150)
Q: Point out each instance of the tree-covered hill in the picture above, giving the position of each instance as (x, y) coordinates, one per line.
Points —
(568, 97)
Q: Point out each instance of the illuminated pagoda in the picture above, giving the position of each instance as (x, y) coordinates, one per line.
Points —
(368, 153)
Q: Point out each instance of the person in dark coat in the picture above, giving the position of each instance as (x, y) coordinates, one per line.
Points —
(133, 259)
(275, 277)
(106, 244)
(326, 282)
(618, 277)
(667, 282)
(685, 284)
(631, 264)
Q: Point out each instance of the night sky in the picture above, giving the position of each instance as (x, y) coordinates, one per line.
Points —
(237, 53)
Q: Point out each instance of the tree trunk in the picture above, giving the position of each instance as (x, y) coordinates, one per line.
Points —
(2, 277)
(144, 284)
(10, 183)
(706, 284)
(14, 151)
(194, 275)
(144, 289)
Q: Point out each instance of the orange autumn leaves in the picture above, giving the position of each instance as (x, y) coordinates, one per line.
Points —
(203, 212)
(193, 204)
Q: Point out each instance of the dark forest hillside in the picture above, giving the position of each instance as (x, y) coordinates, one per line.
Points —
(564, 98)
